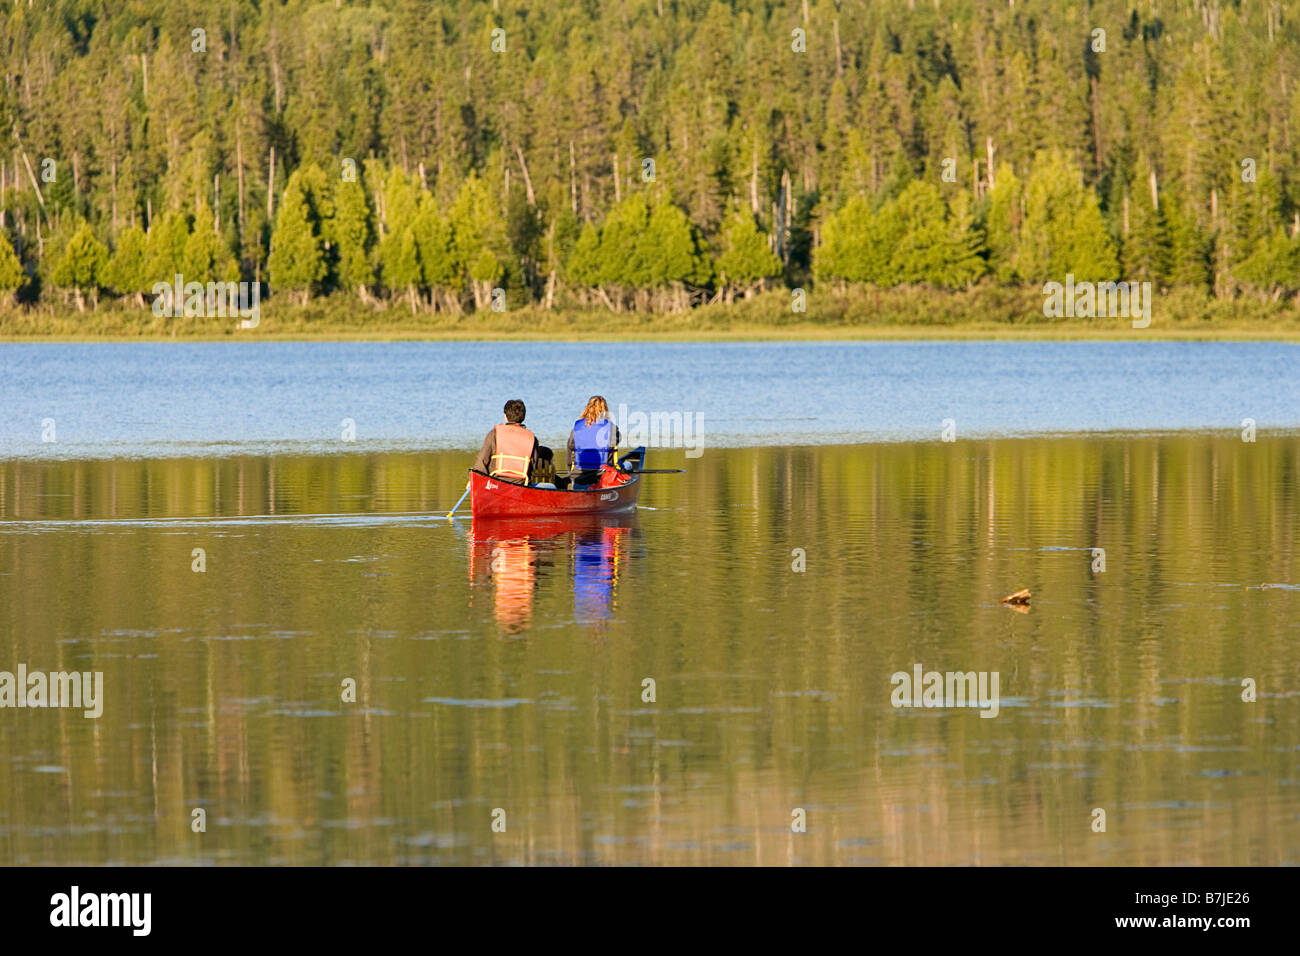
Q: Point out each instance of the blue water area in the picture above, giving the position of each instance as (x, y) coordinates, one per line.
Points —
(159, 399)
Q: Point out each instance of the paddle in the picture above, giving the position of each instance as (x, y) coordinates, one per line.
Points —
(457, 504)
(647, 471)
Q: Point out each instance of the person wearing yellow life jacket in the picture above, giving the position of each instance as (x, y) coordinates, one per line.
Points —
(510, 451)
(592, 442)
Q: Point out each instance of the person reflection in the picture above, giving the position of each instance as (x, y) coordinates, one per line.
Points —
(595, 571)
(509, 562)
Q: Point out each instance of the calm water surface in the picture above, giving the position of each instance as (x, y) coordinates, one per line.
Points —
(161, 399)
(503, 666)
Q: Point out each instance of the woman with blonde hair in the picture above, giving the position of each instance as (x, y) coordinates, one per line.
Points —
(592, 441)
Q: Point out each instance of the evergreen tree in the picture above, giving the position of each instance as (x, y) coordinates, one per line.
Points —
(348, 231)
(83, 266)
(12, 276)
(297, 263)
(1005, 220)
(670, 254)
(747, 259)
(857, 244)
(1189, 248)
(1064, 231)
(478, 238)
(401, 203)
(434, 242)
(1273, 266)
(128, 268)
(1146, 247)
(165, 257)
(205, 258)
(583, 266)
(402, 268)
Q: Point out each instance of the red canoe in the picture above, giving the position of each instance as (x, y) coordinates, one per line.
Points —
(494, 498)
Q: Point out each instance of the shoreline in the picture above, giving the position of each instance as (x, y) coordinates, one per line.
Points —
(861, 314)
(808, 333)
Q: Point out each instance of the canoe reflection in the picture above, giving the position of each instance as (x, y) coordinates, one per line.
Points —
(512, 554)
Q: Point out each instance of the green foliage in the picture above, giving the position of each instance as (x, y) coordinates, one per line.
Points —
(206, 258)
(1273, 265)
(402, 268)
(1063, 232)
(670, 251)
(583, 267)
(12, 276)
(747, 258)
(914, 238)
(165, 256)
(127, 269)
(1145, 251)
(297, 261)
(930, 247)
(84, 263)
(532, 160)
(1004, 221)
(433, 236)
(349, 232)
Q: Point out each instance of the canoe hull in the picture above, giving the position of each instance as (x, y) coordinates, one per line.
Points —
(492, 498)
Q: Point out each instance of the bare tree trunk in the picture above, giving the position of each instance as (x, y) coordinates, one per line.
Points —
(573, 179)
(528, 181)
(270, 188)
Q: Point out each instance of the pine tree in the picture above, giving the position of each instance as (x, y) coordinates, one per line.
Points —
(204, 258)
(165, 258)
(583, 264)
(402, 269)
(434, 242)
(670, 254)
(83, 265)
(923, 248)
(401, 204)
(478, 238)
(1273, 266)
(1189, 247)
(1064, 231)
(297, 263)
(127, 269)
(12, 276)
(857, 244)
(1146, 247)
(348, 231)
(747, 259)
(1004, 223)
(964, 260)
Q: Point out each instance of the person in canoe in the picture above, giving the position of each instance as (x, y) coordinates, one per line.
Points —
(592, 442)
(511, 452)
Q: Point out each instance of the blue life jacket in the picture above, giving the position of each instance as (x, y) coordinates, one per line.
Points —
(591, 443)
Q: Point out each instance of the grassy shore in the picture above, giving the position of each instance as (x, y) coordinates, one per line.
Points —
(909, 313)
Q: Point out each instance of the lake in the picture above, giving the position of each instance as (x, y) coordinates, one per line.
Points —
(164, 399)
(770, 594)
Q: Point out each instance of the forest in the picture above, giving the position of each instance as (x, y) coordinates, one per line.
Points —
(644, 155)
